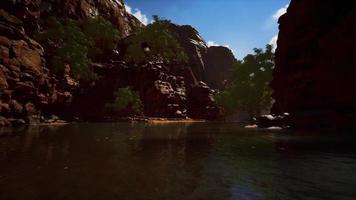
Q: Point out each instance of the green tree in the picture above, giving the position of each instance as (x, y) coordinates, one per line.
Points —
(126, 102)
(104, 35)
(76, 43)
(155, 42)
(249, 89)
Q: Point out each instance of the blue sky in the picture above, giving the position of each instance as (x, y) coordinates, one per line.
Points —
(240, 24)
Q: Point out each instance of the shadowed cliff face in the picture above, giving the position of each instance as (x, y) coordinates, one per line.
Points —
(315, 62)
(219, 62)
(194, 46)
(209, 64)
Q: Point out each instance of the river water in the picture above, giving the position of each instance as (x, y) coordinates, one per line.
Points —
(174, 161)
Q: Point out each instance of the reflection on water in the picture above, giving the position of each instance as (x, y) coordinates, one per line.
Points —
(182, 161)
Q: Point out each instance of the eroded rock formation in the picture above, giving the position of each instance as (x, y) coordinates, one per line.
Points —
(194, 47)
(29, 91)
(314, 78)
(26, 85)
(208, 64)
(163, 92)
(219, 63)
(112, 10)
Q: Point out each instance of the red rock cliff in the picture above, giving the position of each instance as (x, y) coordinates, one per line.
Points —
(315, 72)
(27, 87)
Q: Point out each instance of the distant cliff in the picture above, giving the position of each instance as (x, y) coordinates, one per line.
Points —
(209, 64)
(315, 72)
(218, 66)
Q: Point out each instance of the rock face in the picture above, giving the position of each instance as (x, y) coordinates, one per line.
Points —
(163, 92)
(29, 11)
(219, 62)
(112, 10)
(194, 46)
(209, 64)
(25, 83)
(29, 92)
(314, 78)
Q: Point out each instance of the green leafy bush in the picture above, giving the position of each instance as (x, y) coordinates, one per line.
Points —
(76, 43)
(126, 102)
(104, 35)
(155, 42)
(249, 89)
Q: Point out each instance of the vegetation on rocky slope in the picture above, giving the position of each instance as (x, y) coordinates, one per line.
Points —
(127, 102)
(249, 90)
(155, 42)
(77, 43)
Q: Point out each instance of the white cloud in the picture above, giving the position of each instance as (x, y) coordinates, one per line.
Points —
(212, 44)
(273, 42)
(280, 12)
(128, 9)
(138, 14)
(275, 17)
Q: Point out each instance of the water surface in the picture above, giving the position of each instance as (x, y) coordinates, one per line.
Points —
(173, 161)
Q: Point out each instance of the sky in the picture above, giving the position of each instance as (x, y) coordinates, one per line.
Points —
(239, 24)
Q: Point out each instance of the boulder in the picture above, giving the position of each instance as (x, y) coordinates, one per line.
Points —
(30, 109)
(4, 121)
(16, 122)
(201, 103)
(3, 82)
(16, 107)
(27, 56)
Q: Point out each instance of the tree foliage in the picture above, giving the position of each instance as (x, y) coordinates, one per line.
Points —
(155, 42)
(104, 35)
(126, 102)
(77, 42)
(249, 89)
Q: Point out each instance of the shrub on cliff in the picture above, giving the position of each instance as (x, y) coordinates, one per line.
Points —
(104, 35)
(154, 43)
(249, 89)
(76, 43)
(126, 102)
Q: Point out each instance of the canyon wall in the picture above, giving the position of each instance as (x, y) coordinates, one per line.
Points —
(27, 86)
(31, 93)
(314, 77)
